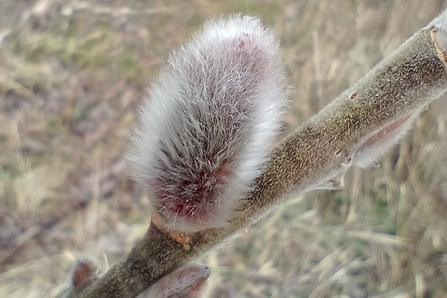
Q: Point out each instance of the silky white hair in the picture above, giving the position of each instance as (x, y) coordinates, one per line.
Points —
(209, 123)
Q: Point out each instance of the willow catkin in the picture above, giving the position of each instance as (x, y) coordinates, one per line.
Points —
(209, 123)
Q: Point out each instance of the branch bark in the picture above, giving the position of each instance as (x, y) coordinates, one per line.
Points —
(316, 155)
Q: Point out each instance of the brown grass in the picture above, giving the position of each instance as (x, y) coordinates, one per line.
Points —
(73, 73)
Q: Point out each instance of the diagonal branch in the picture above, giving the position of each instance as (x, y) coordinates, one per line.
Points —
(370, 115)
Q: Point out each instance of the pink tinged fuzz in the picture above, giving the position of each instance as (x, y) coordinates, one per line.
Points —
(210, 123)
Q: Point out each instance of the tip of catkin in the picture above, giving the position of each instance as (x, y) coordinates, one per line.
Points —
(209, 123)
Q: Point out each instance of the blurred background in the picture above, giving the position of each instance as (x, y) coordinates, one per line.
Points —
(72, 75)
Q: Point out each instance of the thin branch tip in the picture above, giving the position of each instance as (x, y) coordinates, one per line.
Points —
(439, 37)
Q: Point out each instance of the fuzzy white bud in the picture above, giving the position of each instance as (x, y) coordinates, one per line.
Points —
(209, 123)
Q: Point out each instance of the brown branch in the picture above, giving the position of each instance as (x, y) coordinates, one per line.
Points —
(317, 154)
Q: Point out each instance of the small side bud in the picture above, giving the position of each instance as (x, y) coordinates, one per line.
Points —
(186, 282)
(84, 274)
(209, 123)
(382, 141)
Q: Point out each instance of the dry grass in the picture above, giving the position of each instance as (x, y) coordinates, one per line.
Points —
(73, 73)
